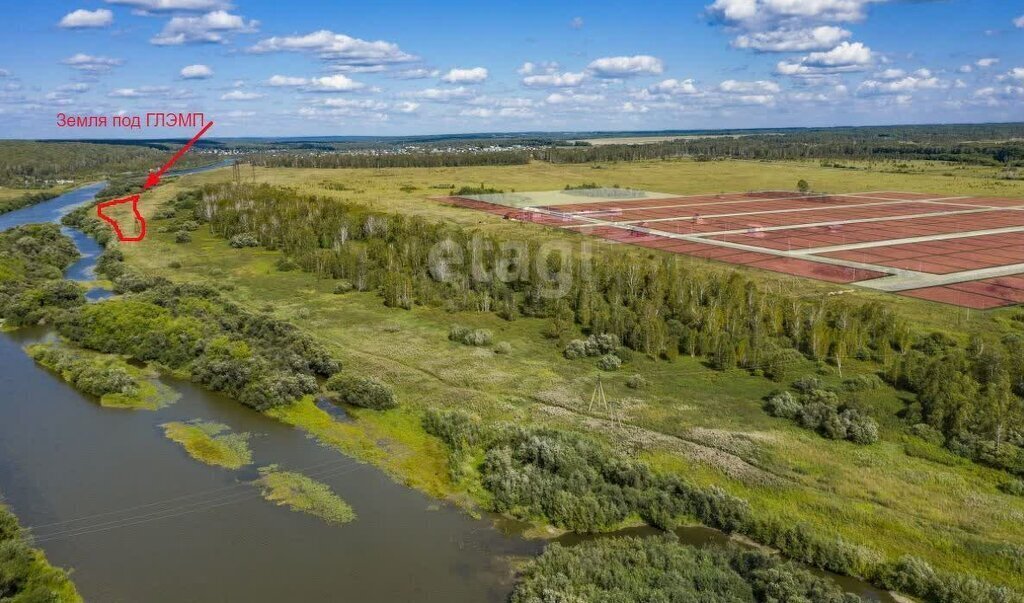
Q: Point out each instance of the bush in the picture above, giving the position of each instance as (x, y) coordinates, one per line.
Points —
(609, 362)
(595, 345)
(783, 405)
(503, 347)
(362, 391)
(342, 287)
(1013, 487)
(636, 382)
(244, 239)
(285, 264)
(862, 383)
(182, 236)
(467, 336)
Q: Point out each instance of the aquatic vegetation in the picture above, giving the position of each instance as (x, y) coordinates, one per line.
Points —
(207, 442)
(25, 573)
(116, 383)
(301, 493)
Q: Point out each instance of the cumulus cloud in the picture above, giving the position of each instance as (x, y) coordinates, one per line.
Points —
(75, 88)
(474, 75)
(407, 107)
(417, 74)
(922, 79)
(173, 5)
(620, 67)
(891, 74)
(554, 80)
(240, 95)
(673, 87)
(1019, 22)
(336, 48)
(760, 86)
(481, 112)
(81, 19)
(986, 62)
(150, 92)
(91, 64)
(758, 13)
(196, 72)
(572, 98)
(793, 40)
(843, 58)
(209, 28)
(1017, 73)
(334, 83)
(439, 94)
(285, 80)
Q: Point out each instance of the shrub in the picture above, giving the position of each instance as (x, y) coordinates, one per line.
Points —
(285, 264)
(182, 236)
(244, 239)
(1013, 487)
(862, 383)
(362, 391)
(609, 362)
(595, 345)
(342, 287)
(636, 382)
(503, 347)
(783, 405)
(467, 336)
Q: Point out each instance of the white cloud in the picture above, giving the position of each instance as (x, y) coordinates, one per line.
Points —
(174, 5)
(365, 104)
(285, 80)
(82, 18)
(207, 28)
(966, 68)
(439, 94)
(1017, 73)
(150, 92)
(673, 87)
(571, 98)
(758, 13)
(407, 107)
(196, 72)
(843, 58)
(577, 22)
(4, 73)
(921, 80)
(793, 40)
(500, 101)
(619, 67)
(90, 63)
(336, 48)
(986, 62)
(474, 75)
(554, 80)
(737, 87)
(417, 74)
(477, 112)
(76, 88)
(891, 74)
(527, 68)
(239, 95)
(334, 83)
(1019, 22)
(631, 107)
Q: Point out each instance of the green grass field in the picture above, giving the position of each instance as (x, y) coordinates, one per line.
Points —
(706, 424)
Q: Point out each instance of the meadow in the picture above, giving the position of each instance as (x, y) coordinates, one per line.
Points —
(900, 496)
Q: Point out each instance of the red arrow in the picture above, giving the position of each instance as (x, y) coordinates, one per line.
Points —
(154, 177)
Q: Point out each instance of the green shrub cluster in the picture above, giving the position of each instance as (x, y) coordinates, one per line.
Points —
(661, 568)
(594, 345)
(93, 378)
(822, 411)
(258, 360)
(468, 336)
(32, 262)
(25, 574)
(366, 392)
(244, 239)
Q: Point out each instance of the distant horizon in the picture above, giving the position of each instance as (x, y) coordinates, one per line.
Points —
(497, 133)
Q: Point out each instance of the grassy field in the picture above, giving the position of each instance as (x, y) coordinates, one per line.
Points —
(705, 424)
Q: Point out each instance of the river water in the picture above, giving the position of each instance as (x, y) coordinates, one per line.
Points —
(137, 520)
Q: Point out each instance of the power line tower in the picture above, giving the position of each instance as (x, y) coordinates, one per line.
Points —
(599, 398)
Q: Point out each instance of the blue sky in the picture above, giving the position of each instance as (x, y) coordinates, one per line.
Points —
(300, 67)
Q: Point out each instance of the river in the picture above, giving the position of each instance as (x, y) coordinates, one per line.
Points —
(137, 520)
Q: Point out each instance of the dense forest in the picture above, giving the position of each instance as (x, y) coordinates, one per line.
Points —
(979, 144)
(662, 308)
(31, 164)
